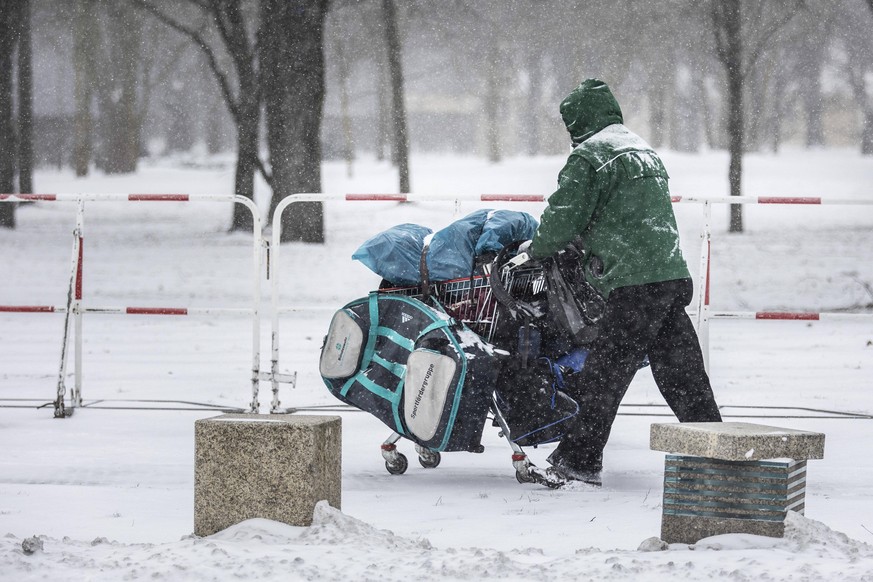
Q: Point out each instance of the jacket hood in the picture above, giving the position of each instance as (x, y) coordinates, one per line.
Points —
(589, 108)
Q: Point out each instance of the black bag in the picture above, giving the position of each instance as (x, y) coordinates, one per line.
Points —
(564, 307)
(530, 399)
(573, 303)
(419, 371)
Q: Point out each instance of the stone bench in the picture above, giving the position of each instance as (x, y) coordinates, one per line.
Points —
(731, 477)
(275, 466)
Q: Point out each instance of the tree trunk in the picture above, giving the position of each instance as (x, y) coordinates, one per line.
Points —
(398, 105)
(25, 101)
(867, 132)
(119, 120)
(215, 116)
(8, 14)
(247, 132)
(735, 148)
(84, 53)
(813, 98)
(246, 154)
(533, 64)
(491, 106)
(778, 111)
(857, 69)
(686, 119)
(383, 112)
(248, 107)
(709, 119)
(345, 117)
(292, 78)
(727, 28)
(658, 94)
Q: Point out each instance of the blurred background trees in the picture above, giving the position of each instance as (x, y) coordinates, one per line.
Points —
(277, 86)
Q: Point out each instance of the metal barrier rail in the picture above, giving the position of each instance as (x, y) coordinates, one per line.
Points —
(74, 307)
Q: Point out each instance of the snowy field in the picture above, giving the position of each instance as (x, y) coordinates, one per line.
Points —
(109, 492)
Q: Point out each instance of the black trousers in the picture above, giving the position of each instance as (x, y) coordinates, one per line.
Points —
(640, 320)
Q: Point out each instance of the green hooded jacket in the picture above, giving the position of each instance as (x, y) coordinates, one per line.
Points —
(612, 193)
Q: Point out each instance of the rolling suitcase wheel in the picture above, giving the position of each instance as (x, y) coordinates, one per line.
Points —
(399, 466)
(429, 460)
(396, 462)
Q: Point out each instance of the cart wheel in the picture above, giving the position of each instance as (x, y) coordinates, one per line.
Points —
(430, 460)
(399, 467)
(523, 478)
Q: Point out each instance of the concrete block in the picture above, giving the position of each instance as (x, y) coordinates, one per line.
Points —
(731, 477)
(736, 441)
(274, 466)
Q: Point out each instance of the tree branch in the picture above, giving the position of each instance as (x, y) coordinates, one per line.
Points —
(201, 43)
(718, 29)
(767, 35)
(230, 25)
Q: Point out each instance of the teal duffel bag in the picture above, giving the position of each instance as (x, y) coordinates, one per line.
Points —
(412, 366)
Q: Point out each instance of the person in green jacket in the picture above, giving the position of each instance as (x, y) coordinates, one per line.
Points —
(613, 201)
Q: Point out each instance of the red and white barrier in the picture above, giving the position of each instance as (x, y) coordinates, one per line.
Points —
(75, 308)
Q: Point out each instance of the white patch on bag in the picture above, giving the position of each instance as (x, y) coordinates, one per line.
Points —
(342, 348)
(429, 378)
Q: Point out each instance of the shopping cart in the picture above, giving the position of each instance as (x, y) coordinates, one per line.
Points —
(472, 301)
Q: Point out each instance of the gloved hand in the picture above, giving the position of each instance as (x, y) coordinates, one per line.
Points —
(522, 248)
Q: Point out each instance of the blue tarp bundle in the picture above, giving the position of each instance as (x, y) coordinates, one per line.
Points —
(395, 254)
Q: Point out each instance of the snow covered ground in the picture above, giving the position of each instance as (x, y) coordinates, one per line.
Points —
(108, 493)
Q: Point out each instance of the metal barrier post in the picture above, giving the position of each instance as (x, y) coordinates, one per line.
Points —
(275, 247)
(703, 283)
(76, 396)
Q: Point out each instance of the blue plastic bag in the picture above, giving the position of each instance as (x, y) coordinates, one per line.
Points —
(395, 254)
(453, 249)
(503, 227)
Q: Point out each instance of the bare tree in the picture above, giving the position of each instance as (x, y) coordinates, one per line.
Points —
(242, 100)
(743, 30)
